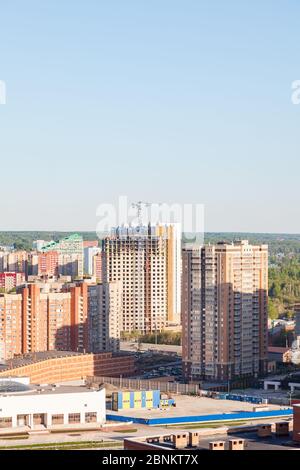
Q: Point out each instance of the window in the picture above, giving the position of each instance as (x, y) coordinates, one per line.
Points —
(91, 417)
(5, 422)
(74, 418)
(57, 419)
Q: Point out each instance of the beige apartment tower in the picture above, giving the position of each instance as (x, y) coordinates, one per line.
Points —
(172, 232)
(224, 311)
(137, 258)
(105, 314)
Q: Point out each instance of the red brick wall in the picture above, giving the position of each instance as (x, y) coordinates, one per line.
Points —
(74, 368)
(296, 431)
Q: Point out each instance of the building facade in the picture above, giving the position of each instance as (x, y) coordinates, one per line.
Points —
(137, 258)
(104, 316)
(224, 311)
(89, 254)
(172, 233)
(46, 316)
(11, 280)
(14, 261)
(70, 251)
(51, 407)
(62, 366)
(10, 325)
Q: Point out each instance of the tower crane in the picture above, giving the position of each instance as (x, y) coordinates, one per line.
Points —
(139, 207)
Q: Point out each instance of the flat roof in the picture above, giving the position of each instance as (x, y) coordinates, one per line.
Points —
(31, 358)
(191, 406)
(252, 441)
(51, 389)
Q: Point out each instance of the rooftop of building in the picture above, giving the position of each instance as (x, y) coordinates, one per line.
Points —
(251, 441)
(225, 244)
(31, 358)
(190, 406)
(9, 387)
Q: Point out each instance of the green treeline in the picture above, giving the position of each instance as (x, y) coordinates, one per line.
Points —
(284, 287)
(164, 337)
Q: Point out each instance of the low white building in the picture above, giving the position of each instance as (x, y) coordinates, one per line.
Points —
(23, 404)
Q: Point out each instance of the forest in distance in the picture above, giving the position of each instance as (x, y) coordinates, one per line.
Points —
(284, 259)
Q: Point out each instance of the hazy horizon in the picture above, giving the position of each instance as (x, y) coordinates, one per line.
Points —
(207, 232)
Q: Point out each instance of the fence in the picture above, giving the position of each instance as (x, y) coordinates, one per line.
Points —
(136, 384)
(177, 388)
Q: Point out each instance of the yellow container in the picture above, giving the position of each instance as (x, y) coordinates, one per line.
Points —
(126, 400)
(137, 399)
(149, 399)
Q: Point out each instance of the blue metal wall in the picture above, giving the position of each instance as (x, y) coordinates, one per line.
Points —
(203, 418)
(236, 397)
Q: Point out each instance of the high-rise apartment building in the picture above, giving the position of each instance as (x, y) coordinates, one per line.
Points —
(105, 313)
(54, 264)
(9, 281)
(70, 251)
(137, 257)
(97, 267)
(15, 261)
(44, 264)
(46, 321)
(224, 310)
(10, 325)
(49, 316)
(79, 317)
(89, 254)
(172, 232)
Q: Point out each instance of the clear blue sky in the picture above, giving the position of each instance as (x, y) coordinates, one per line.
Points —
(161, 100)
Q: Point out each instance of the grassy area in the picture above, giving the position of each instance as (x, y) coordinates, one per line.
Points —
(64, 445)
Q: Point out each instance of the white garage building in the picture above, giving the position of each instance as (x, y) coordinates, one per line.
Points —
(49, 406)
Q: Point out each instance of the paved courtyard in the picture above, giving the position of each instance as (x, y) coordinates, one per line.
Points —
(192, 406)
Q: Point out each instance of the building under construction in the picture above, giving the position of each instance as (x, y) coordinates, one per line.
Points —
(142, 258)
